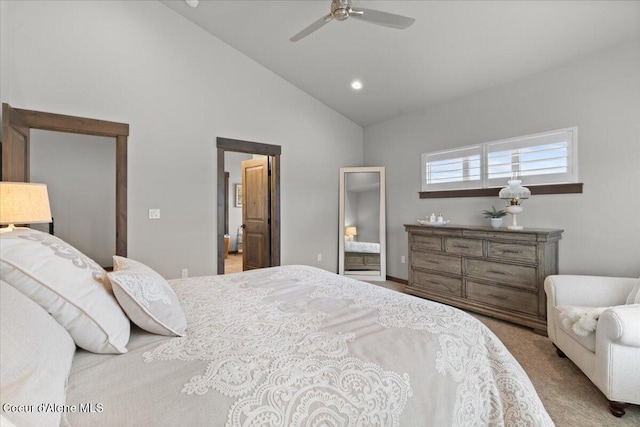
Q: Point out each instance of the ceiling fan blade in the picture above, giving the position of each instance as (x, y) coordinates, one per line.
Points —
(311, 28)
(382, 18)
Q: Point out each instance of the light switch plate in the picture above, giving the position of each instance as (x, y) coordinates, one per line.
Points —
(154, 213)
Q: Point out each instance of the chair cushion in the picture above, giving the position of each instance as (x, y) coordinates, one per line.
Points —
(563, 321)
(634, 296)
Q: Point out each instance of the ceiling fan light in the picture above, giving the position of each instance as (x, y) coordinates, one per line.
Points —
(356, 85)
(192, 3)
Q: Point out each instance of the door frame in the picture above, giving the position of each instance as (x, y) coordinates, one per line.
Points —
(273, 151)
(83, 126)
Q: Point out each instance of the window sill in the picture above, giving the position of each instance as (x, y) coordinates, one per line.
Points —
(493, 192)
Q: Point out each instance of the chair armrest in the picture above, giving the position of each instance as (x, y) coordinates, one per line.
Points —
(588, 291)
(621, 325)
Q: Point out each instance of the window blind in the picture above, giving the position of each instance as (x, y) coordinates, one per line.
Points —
(537, 159)
(452, 169)
(543, 158)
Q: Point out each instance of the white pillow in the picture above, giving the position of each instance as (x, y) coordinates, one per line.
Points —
(68, 285)
(634, 296)
(36, 355)
(147, 298)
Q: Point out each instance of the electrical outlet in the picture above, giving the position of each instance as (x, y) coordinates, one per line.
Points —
(319, 257)
(154, 213)
(403, 259)
(185, 273)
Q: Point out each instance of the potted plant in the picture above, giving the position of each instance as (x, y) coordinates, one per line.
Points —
(495, 215)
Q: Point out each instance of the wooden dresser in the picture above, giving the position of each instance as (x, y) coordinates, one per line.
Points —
(496, 272)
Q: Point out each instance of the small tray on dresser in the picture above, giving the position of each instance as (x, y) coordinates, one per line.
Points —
(433, 224)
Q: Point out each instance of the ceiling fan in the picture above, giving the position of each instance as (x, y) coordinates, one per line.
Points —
(341, 10)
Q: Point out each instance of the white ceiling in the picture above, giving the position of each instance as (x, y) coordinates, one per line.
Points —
(454, 48)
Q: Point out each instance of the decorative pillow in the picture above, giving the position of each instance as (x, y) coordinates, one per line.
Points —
(68, 285)
(634, 296)
(582, 320)
(36, 355)
(147, 298)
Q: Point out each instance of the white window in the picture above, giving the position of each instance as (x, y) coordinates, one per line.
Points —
(543, 158)
(452, 169)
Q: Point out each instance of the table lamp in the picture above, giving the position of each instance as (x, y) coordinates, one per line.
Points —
(23, 203)
(350, 232)
(515, 193)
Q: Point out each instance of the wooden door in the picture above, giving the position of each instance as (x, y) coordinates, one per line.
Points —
(15, 145)
(256, 213)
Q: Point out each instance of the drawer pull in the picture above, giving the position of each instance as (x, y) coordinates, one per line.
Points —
(502, 273)
(502, 297)
(433, 282)
(511, 251)
(430, 261)
(461, 247)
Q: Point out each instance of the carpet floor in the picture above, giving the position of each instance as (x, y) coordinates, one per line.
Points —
(569, 396)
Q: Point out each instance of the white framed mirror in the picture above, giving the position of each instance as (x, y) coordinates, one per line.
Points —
(362, 231)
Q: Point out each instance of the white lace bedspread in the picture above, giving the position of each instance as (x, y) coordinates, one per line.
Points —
(367, 247)
(293, 346)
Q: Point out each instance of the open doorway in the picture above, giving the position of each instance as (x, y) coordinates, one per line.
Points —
(255, 248)
(79, 171)
(16, 160)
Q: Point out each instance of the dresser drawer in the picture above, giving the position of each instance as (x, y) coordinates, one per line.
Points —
(436, 283)
(354, 260)
(457, 246)
(499, 296)
(516, 275)
(372, 259)
(513, 251)
(427, 242)
(361, 261)
(442, 263)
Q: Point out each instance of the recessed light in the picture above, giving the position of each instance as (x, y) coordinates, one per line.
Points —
(192, 3)
(356, 85)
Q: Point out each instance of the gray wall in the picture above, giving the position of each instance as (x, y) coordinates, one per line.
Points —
(600, 94)
(4, 49)
(179, 88)
(80, 173)
(362, 210)
(368, 220)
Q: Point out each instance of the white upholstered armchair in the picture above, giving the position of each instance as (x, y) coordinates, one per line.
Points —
(610, 356)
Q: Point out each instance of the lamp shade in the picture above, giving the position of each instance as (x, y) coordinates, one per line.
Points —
(514, 191)
(351, 231)
(24, 203)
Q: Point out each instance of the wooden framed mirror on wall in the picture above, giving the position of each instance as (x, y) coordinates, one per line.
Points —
(362, 224)
(16, 165)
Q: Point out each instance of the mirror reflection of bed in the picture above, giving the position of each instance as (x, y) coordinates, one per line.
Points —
(361, 256)
(362, 222)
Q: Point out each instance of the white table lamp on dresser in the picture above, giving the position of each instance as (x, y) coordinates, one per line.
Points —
(515, 193)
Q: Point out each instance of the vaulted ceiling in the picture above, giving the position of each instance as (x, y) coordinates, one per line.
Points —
(454, 48)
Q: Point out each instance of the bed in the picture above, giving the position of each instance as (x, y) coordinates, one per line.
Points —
(283, 346)
(359, 256)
